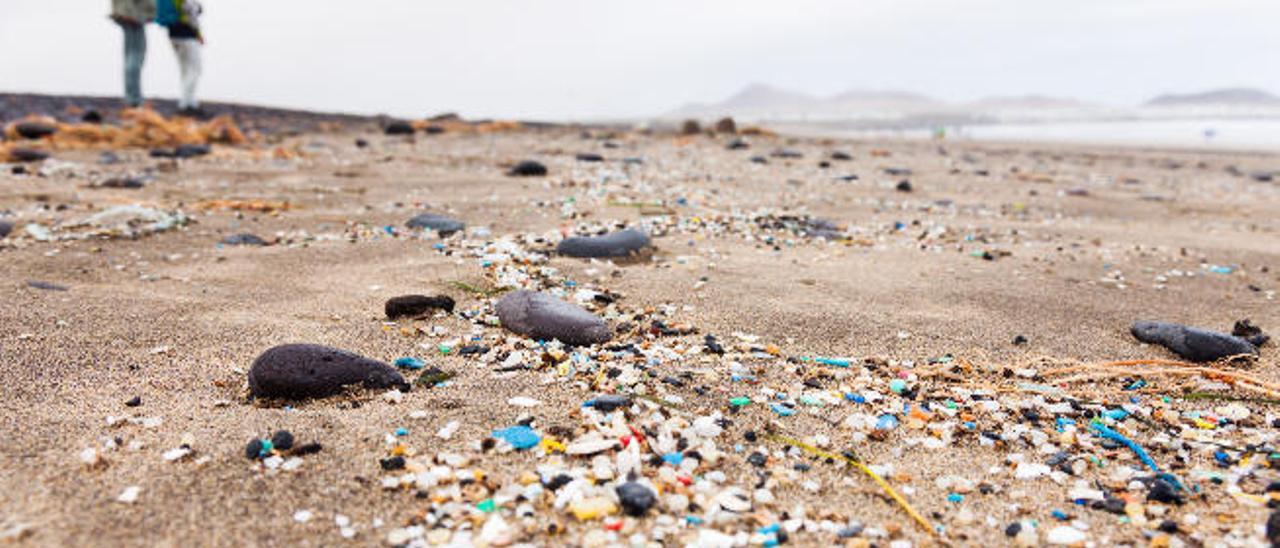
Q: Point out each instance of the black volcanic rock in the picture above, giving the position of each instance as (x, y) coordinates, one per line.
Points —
(295, 371)
(1192, 343)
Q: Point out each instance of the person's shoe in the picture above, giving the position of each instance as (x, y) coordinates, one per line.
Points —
(196, 113)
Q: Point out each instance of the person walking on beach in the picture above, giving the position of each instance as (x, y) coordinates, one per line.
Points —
(133, 16)
(182, 18)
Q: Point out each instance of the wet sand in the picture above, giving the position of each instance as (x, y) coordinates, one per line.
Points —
(176, 319)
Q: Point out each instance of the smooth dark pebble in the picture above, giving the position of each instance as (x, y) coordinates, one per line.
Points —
(1249, 332)
(607, 403)
(123, 182)
(398, 128)
(308, 449)
(282, 440)
(244, 239)
(558, 481)
(1273, 528)
(542, 316)
(191, 151)
(635, 498)
(47, 286)
(850, 532)
(417, 305)
(589, 157)
(622, 243)
(1162, 492)
(34, 130)
(253, 449)
(439, 223)
(472, 349)
(28, 155)
(134, 401)
(528, 168)
(392, 463)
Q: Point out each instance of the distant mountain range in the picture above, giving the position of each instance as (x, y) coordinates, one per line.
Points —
(1228, 96)
(764, 103)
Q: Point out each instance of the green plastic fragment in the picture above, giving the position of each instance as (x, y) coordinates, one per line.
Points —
(486, 506)
(739, 401)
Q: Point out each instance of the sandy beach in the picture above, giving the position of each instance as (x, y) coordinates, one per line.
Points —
(1061, 246)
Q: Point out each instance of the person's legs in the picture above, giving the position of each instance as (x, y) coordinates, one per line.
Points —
(189, 61)
(135, 54)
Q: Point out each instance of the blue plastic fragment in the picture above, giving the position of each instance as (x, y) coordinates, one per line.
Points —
(519, 436)
(1146, 459)
(886, 422)
(674, 459)
(1115, 414)
(410, 363)
(837, 362)
(782, 410)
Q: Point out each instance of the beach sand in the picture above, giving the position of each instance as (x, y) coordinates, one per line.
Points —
(176, 320)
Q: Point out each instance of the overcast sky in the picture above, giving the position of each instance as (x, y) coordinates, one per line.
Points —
(612, 58)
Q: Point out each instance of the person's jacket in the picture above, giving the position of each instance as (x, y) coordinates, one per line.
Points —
(173, 12)
(138, 11)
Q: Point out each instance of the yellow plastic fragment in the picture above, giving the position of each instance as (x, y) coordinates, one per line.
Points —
(592, 508)
(550, 444)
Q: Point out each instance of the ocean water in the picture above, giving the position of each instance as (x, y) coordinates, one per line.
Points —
(1224, 134)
